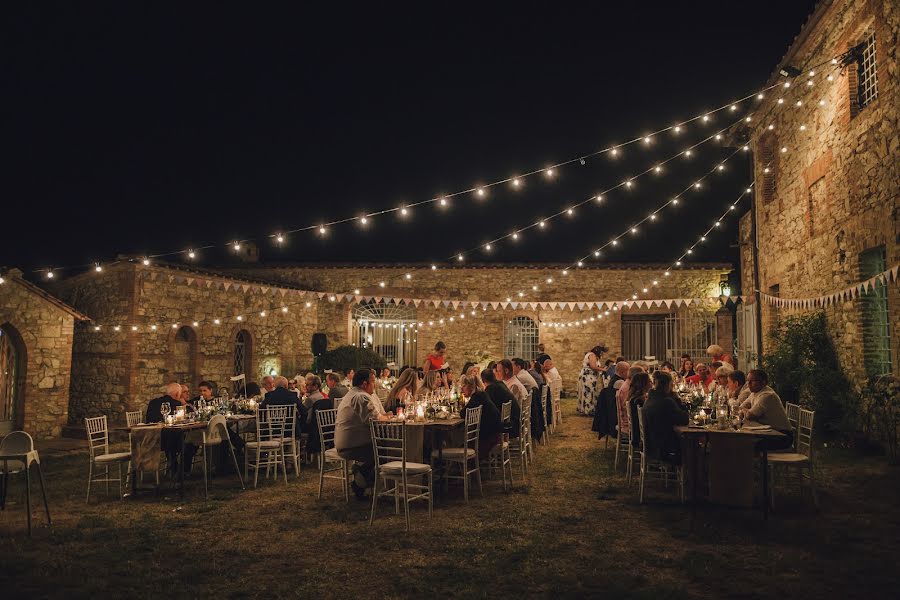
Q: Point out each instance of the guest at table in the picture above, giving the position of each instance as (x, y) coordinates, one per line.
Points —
(298, 386)
(268, 384)
(403, 390)
(170, 441)
(336, 391)
(435, 359)
(737, 390)
(667, 367)
(348, 378)
(504, 373)
(551, 373)
(489, 433)
(611, 368)
(282, 396)
(702, 377)
(206, 392)
(766, 408)
(386, 374)
(172, 396)
(449, 378)
(590, 374)
(253, 390)
(185, 394)
(638, 388)
(352, 435)
(314, 393)
(720, 386)
(619, 375)
(535, 371)
(499, 395)
(662, 412)
(687, 368)
(317, 401)
(623, 391)
(520, 370)
(432, 382)
(717, 354)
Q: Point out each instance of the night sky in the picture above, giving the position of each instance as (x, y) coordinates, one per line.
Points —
(144, 129)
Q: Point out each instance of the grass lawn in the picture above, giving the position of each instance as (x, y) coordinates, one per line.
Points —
(575, 530)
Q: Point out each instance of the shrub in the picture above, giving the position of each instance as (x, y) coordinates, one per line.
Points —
(344, 358)
(880, 414)
(803, 367)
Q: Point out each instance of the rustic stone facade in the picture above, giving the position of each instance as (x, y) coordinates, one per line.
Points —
(835, 192)
(41, 330)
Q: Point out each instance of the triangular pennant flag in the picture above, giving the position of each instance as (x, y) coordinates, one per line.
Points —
(190, 280)
(417, 301)
(484, 305)
(245, 288)
(505, 305)
(454, 304)
(446, 303)
(320, 295)
(544, 305)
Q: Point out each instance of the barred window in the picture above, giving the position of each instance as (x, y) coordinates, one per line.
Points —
(521, 338)
(876, 328)
(242, 353)
(767, 163)
(867, 74)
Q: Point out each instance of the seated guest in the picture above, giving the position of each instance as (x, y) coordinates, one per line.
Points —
(611, 368)
(638, 388)
(253, 390)
(737, 390)
(504, 372)
(206, 392)
(268, 384)
(348, 378)
(386, 374)
(667, 367)
(336, 391)
(489, 433)
(500, 394)
(622, 392)
(449, 378)
(717, 354)
(185, 394)
(282, 396)
(766, 409)
(535, 371)
(435, 359)
(687, 368)
(662, 412)
(320, 402)
(475, 372)
(702, 377)
(298, 386)
(352, 435)
(170, 441)
(619, 375)
(720, 386)
(403, 391)
(549, 372)
(432, 382)
(314, 393)
(520, 370)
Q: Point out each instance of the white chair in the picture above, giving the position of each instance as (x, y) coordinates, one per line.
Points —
(526, 416)
(557, 406)
(214, 436)
(547, 416)
(290, 446)
(501, 453)
(101, 458)
(17, 454)
(266, 450)
(329, 460)
(133, 418)
(389, 441)
(520, 445)
(466, 457)
(801, 460)
(653, 468)
(623, 441)
(793, 415)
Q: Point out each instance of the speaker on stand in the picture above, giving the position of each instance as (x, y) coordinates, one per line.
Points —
(319, 346)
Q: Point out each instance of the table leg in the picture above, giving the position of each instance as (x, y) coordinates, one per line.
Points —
(181, 466)
(44, 493)
(764, 458)
(28, 494)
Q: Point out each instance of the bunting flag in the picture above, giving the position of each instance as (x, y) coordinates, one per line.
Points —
(850, 292)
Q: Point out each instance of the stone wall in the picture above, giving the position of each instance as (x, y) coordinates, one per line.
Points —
(42, 330)
(483, 333)
(122, 370)
(834, 193)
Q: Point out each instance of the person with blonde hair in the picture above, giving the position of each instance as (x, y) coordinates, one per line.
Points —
(717, 354)
(433, 380)
(403, 390)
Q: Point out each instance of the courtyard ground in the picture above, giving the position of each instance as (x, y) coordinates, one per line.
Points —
(575, 530)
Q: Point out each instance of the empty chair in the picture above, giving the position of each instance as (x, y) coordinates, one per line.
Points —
(101, 458)
(389, 441)
(133, 418)
(793, 415)
(466, 457)
(214, 436)
(329, 460)
(17, 454)
(652, 468)
(266, 451)
(801, 460)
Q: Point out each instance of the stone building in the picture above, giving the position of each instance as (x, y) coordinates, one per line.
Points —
(36, 333)
(159, 323)
(827, 172)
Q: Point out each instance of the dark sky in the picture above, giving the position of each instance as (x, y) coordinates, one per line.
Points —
(141, 128)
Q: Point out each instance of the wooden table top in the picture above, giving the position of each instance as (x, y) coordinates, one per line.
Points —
(439, 423)
(714, 429)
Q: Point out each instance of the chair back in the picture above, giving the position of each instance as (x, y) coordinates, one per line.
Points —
(545, 400)
(216, 431)
(326, 420)
(793, 415)
(804, 432)
(622, 412)
(17, 442)
(132, 418)
(389, 442)
(270, 423)
(640, 414)
(473, 426)
(505, 415)
(525, 419)
(97, 435)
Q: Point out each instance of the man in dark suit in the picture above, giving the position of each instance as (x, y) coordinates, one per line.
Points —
(206, 389)
(170, 441)
(336, 390)
(500, 394)
(281, 396)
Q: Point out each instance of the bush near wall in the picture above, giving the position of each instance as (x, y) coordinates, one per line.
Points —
(344, 358)
(803, 367)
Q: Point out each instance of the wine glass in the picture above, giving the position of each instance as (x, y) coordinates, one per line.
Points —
(164, 410)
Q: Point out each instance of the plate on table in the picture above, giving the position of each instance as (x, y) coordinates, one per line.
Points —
(757, 427)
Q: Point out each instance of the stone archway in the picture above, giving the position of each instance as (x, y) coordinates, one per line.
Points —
(13, 366)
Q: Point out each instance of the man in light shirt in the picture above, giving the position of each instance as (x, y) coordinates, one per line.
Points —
(764, 407)
(504, 372)
(520, 370)
(352, 436)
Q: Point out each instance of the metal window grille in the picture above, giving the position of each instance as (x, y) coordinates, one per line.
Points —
(867, 74)
(875, 317)
(8, 377)
(388, 329)
(644, 335)
(521, 338)
(668, 336)
(745, 343)
(183, 355)
(241, 351)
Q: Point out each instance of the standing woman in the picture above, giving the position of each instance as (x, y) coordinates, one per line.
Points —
(435, 360)
(590, 373)
(403, 391)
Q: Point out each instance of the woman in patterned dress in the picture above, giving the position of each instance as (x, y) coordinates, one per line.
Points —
(590, 373)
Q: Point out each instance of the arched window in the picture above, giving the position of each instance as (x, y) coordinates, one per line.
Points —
(243, 354)
(12, 378)
(184, 356)
(388, 329)
(521, 338)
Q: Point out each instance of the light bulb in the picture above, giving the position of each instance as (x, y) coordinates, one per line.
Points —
(534, 288)
(146, 261)
(196, 324)
(514, 235)
(748, 119)
(666, 273)
(216, 321)
(97, 328)
(308, 305)
(599, 198)
(236, 245)
(153, 327)
(799, 103)
(830, 78)
(733, 107)
(262, 313)
(174, 325)
(434, 267)
(803, 128)
(191, 254)
(331, 298)
(541, 224)
(821, 103)
(487, 247)
(565, 272)
(570, 211)
(549, 172)
(580, 264)
(705, 118)
(781, 101)
(697, 185)
(677, 129)
(628, 184)
(647, 139)
(675, 201)
(787, 84)
(658, 169)
(364, 220)
(688, 152)
(718, 136)
(759, 96)
(322, 230)
(404, 211)
(771, 127)
(49, 274)
(721, 167)
(98, 268)
(117, 328)
(443, 202)
(614, 152)
(408, 276)
(783, 149)
(134, 328)
(480, 191)
(596, 253)
(614, 242)
(240, 318)
(381, 284)
(655, 282)
(634, 230)
(652, 216)
(645, 290)
(356, 292)
(459, 257)
(516, 182)
(549, 280)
